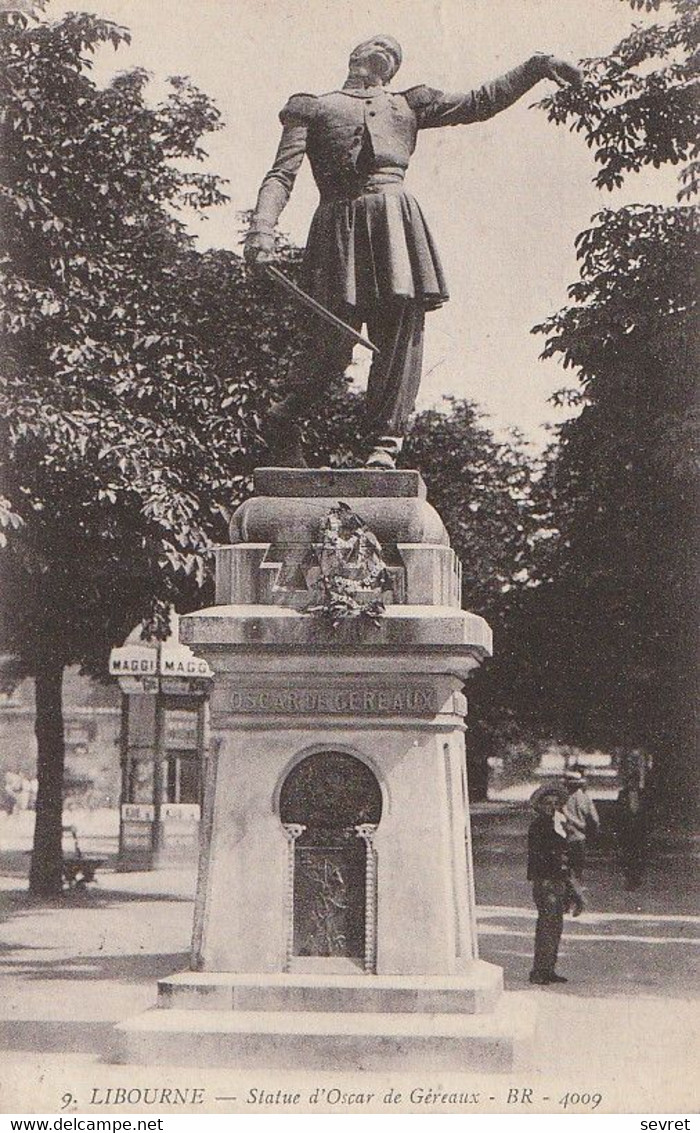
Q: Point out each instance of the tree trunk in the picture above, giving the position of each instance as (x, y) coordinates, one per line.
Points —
(45, 875)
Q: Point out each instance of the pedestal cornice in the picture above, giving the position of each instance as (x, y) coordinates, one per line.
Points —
(403, 627)
(362, 483)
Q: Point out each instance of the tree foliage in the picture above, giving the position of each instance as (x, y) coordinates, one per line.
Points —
(94, 356)
(482, 489)
(620, 577)
(485, 490)
(134, 368)
(638, 106)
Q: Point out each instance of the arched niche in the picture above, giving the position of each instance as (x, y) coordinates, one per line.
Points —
(330, 806)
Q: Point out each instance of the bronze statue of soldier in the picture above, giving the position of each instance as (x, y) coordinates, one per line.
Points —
(370, 258)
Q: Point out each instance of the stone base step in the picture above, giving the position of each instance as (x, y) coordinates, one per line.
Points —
(476, 991)
(312, 1040)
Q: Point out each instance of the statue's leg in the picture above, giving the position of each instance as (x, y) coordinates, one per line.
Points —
(309, 380)
(392, 387)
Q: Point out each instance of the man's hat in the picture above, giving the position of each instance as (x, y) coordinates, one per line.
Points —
(541, 793)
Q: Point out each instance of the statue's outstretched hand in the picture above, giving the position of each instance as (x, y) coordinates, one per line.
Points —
(259, 248)
(563, 73)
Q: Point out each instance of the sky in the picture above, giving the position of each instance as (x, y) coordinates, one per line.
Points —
(504, 199)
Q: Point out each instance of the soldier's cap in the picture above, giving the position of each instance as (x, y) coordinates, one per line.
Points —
(553, 789)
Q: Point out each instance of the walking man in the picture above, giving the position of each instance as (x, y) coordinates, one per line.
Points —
(632, 819)
(553, 891)
(581, 816)
(370, 258)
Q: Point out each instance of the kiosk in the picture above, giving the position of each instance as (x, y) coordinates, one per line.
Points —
(164, 728)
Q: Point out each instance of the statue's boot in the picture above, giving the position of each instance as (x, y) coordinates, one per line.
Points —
(383, 455)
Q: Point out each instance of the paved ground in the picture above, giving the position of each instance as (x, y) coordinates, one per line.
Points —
(625, 1025)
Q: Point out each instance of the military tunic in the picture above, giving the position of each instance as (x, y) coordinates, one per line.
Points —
(370, 255)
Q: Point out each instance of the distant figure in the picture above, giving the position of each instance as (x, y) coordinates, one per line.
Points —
(12, 793)
(581, 816)
(632, 819)
(8, 801)
(553, 890)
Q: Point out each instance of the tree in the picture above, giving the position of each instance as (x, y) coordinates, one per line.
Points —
(101, 527)
(483, 489)
(130, 418)
(620, 578)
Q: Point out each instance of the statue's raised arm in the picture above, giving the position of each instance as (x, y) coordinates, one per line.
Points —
(370, 258)
(437, 108)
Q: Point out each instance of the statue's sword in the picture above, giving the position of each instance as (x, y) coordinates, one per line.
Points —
(320, 310)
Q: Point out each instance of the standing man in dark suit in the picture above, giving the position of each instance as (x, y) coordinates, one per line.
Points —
(553, 890)
(370, 257)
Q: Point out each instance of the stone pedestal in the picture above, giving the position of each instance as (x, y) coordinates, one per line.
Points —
(330, 937)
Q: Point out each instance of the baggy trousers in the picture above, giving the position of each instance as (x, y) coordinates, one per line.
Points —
(392, 387)
(550, 897)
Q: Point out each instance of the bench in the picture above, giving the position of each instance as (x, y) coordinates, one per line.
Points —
(77, 872)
